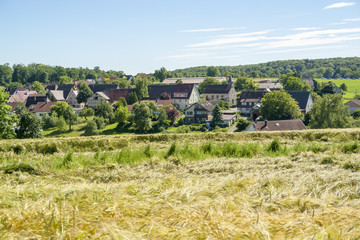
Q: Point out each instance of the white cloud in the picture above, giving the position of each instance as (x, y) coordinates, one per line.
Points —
(189, 55)
(208, 30)
(300, 49)
(305, 29)
(352, 20)
(340, 5)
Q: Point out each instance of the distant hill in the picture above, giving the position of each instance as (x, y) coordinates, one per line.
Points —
(308, 68)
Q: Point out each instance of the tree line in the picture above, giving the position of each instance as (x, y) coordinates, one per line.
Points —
(19, 74)
(308, 68)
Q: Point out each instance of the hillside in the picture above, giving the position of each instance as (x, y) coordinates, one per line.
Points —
(317, 68)
(281, 185)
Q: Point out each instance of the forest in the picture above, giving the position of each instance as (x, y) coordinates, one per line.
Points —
(307, 68)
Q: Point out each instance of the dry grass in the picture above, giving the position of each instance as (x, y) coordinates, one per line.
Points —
(306, 190)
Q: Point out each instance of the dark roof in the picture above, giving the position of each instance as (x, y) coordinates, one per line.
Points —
(102, 87)
(52, 86)
(13, 105)
(115, 94)
(218, 88)
(258, 95)
(43, 107)
(279, 125)
(206, 105)
(66, 89)
(301, 97)
(156, 90)
(35, 98)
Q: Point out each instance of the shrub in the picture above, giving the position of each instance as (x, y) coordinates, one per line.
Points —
(356, 114)
(207, 147)
(274, 146)
(242, 124)
(91, 128)
(61, 124)
(49, 148)
(100, 122)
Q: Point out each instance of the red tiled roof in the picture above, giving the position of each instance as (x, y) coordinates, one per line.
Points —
(42, 107)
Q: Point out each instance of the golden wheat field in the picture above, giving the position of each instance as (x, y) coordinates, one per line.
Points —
(289, 185)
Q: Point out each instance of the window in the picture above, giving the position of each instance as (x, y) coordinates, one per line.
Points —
(95, 98)
(189, 113)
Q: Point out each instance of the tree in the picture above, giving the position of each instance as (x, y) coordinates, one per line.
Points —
(207, 81)
(329, 112)
(70, 116)
(162, 121)
(60, 108)
(172, 114)
(120, 103)
(5, 75)
(65, 80)
(217, 116)
(100, 122)
(292, 82)
(356, 114)
(141, 86)
(65, 111)
(133, 98)
(161, 74)
(6, 119)
(212, 71)
(29, 126)
(121, 115)
(61, 124)
(343, 87)
(87, 112)
(84, 92)
(123, 83)
(142, 117)
(103, 109)
(242, 124)
(38, 87)
(243, 83)
(91, 128)
(278, 105)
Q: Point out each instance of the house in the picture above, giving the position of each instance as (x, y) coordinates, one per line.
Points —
(276, 125)
(33, 99)
(96, 98)
(181, 95)
(56, 95)
(42, 108)
(304, 99)
(21, 95)
(102, 87)
(190, 80)
(115, 94)
(353, 105)
(199, 112)
(228, 120)
(269, 84)
(249, 99)
(67, 88)
(215, 93)
(72, 100)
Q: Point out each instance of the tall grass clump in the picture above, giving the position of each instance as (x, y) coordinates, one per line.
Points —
(171, 151)
(148, 152)
(128, 156)
(350, 147)
(68, 159)
(192, 153)
(207, 147)
(275, 146)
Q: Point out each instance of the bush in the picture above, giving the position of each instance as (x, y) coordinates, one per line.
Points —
(242, 124)
(100, 122)
(356, 114)
(61, 125)
(91, 128)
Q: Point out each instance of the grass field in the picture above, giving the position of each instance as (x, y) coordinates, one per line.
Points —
(353, 86)
(281, 185)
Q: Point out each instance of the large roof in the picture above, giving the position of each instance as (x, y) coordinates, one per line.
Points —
(156, 90)
(218, 88)
(115, 94)
(353, 103)
(301, 98)
(279, 125)
(189, 80)
(43, 107)
(102, 87)
(66, 89)
(208, 106)
(252, 96)
(58, 95)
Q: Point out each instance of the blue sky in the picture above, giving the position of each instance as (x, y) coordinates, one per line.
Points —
(141, 36)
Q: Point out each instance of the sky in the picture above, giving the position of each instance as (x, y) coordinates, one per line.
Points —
(140, 36)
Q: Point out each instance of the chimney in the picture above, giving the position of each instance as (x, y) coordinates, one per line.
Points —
(265, 123)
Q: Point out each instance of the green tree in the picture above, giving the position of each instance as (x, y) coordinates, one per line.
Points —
(70, 116)
(278, 105)
(65, 80)
(242, 124)
(212, 71)
(123, 83)
(103, 109)
(162, 121)
(329, 112)
(84, 92)
(87, 112)
(343, 87)
(122, 114)
(161, 74)
(292, 82)
(141, 86)
(6, 119)
(179, 81)
(142, 116)
(29, 126)
(217, 116)
(100, 122)
(91, 128)
(207, 81)
(356, 114)
(5, 75)
(61, 124)
(38, 87)
(243, 83)
(120, 103)
(133, 98)
(60, 108)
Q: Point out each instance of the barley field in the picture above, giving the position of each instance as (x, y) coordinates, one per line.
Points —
(280, 185)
